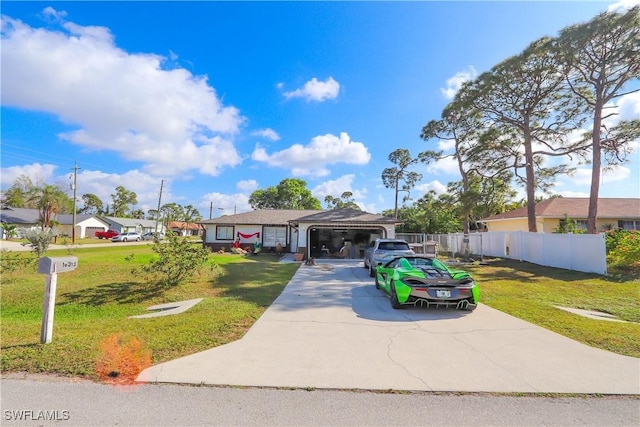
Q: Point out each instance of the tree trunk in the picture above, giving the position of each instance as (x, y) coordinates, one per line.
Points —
(592, 213)
(531, 182)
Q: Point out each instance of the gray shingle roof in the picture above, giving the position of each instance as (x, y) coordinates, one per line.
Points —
(19, 216)
(32, 216)
(285, 216)
(263, 216)
(348, 215)
(129, 222)
(613, 208)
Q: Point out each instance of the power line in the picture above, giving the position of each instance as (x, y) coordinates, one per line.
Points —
(49, 158)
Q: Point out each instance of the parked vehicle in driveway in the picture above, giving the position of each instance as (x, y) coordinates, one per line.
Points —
(422, 281)
(381, 249)
(151, 235)
(106, 234)
(129, 236)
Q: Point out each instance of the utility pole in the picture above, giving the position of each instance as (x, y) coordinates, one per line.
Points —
(75, 189)
(211, 210)
(159, 200)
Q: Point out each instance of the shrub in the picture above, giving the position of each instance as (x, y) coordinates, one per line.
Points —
(14, 261)
(39, 240)
(178, 260)
(623, 248)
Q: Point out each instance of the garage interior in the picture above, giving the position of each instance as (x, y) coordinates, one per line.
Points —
(341, 242)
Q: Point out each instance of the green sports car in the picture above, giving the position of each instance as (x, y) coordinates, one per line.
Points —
(422, 281)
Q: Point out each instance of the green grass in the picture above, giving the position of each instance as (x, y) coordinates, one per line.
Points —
(95, 300)
(530, 292)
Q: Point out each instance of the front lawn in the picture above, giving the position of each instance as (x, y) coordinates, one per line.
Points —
(530, 292)
(94, 302)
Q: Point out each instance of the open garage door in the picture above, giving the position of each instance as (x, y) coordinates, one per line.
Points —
(327, 241)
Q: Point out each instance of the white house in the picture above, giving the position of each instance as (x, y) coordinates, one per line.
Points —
(311, 232)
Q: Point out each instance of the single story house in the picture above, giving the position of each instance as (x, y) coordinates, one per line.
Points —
(184, 229)
(313, 233)
(617, 213)
(122, 225)
(24, 219)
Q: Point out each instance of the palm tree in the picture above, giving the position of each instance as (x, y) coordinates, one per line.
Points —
(50, 201)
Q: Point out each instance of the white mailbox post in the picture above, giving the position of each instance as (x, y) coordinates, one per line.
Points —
(51, 267)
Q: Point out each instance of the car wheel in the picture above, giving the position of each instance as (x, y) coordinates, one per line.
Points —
(124, 239)
(377, 282)
(137, 239)
(372, 271)
(395, 304)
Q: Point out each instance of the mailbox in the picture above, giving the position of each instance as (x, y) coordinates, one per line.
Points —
(51, 265)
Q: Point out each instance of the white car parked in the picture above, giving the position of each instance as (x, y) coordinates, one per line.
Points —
(129, 236)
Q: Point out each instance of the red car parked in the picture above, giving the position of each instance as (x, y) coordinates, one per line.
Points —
(106, 234)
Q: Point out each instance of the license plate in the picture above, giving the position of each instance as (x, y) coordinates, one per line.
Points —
(443, 294)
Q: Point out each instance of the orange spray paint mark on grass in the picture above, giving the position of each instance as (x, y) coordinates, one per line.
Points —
(121, 360)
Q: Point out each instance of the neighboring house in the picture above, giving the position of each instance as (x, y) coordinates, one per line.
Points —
(25, 219)
(183, 229)
(619, 213)
(22, 218)
(311, 232)
(123, 225)
(86, 225)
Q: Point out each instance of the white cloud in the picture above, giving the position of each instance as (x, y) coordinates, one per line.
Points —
(101, 184)
(53, 14)
(582, 176)
(267, 133)
(315, 90)
(146, 187)
(224, 204)
(336, 187)
(247, 185)
(447, 144)
(34, 171)
(454, 83)
(117, 101)
(446, 166)
(628, 108)
(313, 159)
(622, 5)
(420, 190)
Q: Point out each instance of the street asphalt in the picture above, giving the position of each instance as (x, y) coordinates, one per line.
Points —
(331, 329)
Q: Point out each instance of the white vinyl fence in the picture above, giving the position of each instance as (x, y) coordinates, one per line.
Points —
(580, 252)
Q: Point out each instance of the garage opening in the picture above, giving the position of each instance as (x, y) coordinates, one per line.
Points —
(341, 242)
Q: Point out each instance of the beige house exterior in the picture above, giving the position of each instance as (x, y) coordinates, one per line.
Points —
(616, 213)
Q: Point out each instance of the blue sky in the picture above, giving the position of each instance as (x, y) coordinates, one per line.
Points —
(219, 99)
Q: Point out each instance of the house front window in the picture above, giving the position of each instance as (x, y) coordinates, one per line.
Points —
(581, 224)
(628, 225)
(224, 232)
(274, 235)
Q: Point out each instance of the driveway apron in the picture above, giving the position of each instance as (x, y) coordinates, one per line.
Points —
(330, 328)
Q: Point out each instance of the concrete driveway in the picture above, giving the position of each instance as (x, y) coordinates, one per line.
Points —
(330, 328)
